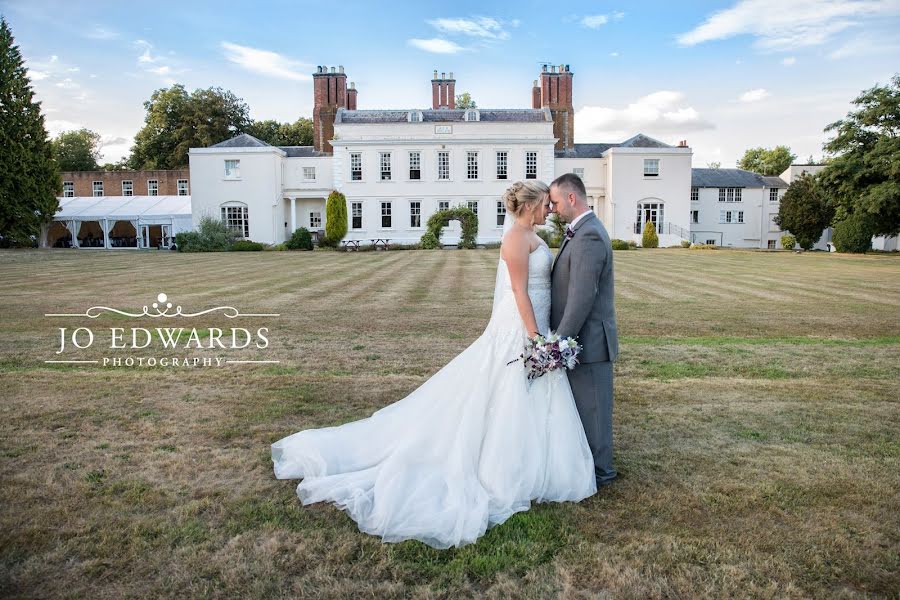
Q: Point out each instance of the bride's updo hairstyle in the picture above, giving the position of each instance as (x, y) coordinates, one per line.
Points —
(522, 196)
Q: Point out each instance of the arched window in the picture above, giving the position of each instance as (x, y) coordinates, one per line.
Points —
(414, 116)
(650, 210)
(472, 115)
(235, 216)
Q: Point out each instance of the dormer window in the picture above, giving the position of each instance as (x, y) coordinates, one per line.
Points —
(472, 115)
(415, 116)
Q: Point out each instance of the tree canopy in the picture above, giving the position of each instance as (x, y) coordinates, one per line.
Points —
(767, 161)
(863, 173)
(77, 150)
(177, 121)
(298, 133)
(804, 211)
(30, 178)
(465, 100)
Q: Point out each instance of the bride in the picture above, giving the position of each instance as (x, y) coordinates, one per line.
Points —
(475, 443)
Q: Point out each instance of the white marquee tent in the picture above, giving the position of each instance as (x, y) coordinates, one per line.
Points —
(120, 221)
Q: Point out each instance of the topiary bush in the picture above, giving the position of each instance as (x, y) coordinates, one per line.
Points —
(301, 239)
(335, 219)
(429, 241)
(620, 245)
(853, 234)
(685, 244)
(650, 239)
(704, 247)
(247, 246)
(442, 218)
(788, 241)
(211, 235)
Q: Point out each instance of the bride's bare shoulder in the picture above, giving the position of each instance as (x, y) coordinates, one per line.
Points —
(515, 244)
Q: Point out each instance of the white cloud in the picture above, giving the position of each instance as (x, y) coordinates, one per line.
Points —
(614, 54)
(266, 62)
(146, 57)
(436, 45)
(67, 84)
(101, 33)
(663, 112)
(37, 75)
(480, 27)
(780, 27)
(161, 71)
(597, 21)
(789, 61)
(866, 46)
(754, 95)
(57, 126)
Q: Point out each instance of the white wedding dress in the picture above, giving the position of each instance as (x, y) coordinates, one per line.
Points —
(471, 446)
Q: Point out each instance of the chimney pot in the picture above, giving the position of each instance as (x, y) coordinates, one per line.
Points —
(544, 68)
(451, 74)
(332, 69)
(553, 69)
(435, 74)
(340, 68)
(443, 75)
(535, 83)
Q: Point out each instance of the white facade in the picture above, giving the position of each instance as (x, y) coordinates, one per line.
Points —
(460, 162)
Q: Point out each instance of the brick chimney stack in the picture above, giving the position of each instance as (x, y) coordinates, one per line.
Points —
(351, 97)
(329, 94)
(556, 94)
(535, 95)
(443, 91)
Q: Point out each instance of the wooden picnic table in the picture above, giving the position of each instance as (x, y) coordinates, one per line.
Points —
(380, 243)
(350, 244)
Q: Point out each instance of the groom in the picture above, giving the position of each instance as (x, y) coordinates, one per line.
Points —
(582, 305)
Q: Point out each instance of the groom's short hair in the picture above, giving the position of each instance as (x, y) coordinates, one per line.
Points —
(570, 182)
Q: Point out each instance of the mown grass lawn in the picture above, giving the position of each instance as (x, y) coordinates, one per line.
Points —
(756, 419)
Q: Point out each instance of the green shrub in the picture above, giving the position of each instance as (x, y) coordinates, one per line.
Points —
(429, 241)
(301, 239)
(632, 244)
(547, 236)
(650, 239)
(788, 241)
(335, 218)
(464, 215)
(211, 236)
(685, 244)
(704, 247)
(247, 246)
(559, 230)
(277, 247)
(853, 234)
(620, 245)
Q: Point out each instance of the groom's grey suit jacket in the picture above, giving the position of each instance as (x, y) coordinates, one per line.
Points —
(582, 291)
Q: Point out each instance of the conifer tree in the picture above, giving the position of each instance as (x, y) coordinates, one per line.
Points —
(30, 178)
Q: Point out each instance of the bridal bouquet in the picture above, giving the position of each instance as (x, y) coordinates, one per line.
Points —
(547, 353)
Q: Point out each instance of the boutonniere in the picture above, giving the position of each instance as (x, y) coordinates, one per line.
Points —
(570, 233)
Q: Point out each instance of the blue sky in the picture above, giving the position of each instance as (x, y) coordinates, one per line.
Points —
(725, 76)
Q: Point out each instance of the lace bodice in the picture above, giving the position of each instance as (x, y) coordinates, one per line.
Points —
(540, 262)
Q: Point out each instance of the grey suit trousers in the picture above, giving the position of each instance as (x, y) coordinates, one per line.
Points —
(592, 386)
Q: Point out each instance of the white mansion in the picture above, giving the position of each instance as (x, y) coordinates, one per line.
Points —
(397, 167)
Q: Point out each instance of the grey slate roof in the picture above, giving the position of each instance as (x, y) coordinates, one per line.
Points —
(245, 140)
(597, 150)
(301, 151)
(515, 115)
(715, 178)
(774, 182)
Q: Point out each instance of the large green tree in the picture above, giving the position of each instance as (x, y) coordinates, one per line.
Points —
(863, 174)
(804, 211)
(298, 133)
(177, 121)
(465, 100)
(767, 161)
(29, 177)
(77, 150)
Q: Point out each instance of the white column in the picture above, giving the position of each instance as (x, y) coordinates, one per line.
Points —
(293, 216)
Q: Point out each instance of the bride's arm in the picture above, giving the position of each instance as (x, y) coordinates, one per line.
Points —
(515, 253)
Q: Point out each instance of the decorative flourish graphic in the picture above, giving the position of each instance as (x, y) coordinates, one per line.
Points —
(162, 300)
